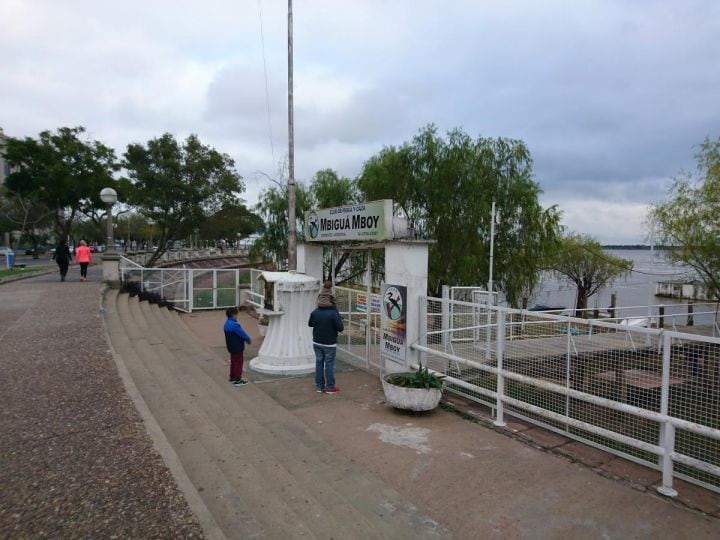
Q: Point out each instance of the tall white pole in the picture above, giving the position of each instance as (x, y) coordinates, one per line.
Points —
(490, 302)
(292, 235)
(652, 281)
(492, 247)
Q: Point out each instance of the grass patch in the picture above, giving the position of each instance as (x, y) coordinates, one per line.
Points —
(21, 271)
(204, 299)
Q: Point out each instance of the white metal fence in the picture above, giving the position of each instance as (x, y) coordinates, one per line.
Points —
(188, 289)
(651, 395)
(647, 394)
(360, 311)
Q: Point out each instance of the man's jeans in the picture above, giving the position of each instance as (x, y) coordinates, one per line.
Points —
(324, 366)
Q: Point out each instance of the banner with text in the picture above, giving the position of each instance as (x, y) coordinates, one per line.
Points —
(362, 221)
(393, 342)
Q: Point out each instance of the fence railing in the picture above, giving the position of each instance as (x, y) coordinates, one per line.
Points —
(647, 394)
(360, 341)
(256, 294)
(178, 255)
(188, 289)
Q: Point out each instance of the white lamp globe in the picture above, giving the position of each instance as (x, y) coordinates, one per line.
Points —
(108, 195)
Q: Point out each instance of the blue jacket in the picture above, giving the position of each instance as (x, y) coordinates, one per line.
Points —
(326, 323)
(235, 336)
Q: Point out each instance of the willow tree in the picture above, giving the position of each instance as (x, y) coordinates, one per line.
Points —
(583, 261)
(327, 189)
(446, 186)
(689, 223)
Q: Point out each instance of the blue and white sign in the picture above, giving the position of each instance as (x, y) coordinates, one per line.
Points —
(393, 340)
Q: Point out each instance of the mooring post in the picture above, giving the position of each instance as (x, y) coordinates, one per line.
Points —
(661, 316)
(691, 310)
(611, 309)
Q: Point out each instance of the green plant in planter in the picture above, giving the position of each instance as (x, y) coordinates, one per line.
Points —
(422, 378)
(263, 321)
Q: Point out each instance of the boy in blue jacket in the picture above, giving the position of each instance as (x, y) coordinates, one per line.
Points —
(235, 339)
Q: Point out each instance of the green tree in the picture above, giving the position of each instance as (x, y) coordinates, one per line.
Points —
(230, 222)
(61, 172)
(25, 213)
(273, 209)
(446, 186)
(583, 261)
(689, 223)
(327, 189)
(176, 186)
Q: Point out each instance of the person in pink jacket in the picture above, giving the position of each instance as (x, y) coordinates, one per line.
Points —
(83, 256)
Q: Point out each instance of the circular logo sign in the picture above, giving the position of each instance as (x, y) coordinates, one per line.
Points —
(313, 225)
(393, 303)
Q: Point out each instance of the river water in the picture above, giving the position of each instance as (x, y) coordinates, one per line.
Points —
(633, 293)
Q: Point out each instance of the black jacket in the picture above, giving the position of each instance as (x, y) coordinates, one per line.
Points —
(326, 323)
(62, 254)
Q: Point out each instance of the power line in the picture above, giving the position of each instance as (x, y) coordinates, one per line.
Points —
(267, 91)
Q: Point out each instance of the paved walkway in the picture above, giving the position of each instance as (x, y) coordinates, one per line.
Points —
(272, 460)
(75, 458)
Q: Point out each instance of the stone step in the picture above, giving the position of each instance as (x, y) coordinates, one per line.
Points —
(294, 459)
(226, 505)
(229, 443)
(294, 440)
(302, 481)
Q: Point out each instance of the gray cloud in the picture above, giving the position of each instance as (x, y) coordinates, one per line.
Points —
(610, 96)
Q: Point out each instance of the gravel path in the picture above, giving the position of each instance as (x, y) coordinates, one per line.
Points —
(75, 459)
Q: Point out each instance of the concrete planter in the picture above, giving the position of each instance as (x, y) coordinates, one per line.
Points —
(411, 399)
(262, 329)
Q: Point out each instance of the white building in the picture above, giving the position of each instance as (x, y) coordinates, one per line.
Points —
(4, 167)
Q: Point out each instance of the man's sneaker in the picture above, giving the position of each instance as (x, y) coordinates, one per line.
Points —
(240, 382)
(320, 390)
(333, 390)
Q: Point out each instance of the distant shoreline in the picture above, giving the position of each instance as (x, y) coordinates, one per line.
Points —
(634, 246)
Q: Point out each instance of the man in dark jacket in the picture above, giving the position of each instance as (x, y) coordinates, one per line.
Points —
(326, 323)
(235, 339)
(62, 257)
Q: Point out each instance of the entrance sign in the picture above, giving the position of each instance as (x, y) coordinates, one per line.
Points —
(362, 221)
(393, 343)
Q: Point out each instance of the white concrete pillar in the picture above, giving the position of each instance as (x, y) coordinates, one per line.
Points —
(406, 263)
(287, 348)
(310, 260)
(111, 268)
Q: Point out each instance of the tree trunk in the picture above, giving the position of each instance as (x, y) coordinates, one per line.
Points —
(581, 302)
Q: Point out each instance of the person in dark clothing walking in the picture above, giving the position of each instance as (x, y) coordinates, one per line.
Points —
(62, 258)
(235, 339)
(326, 323)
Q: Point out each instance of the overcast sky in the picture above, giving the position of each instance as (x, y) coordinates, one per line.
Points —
(612, 97)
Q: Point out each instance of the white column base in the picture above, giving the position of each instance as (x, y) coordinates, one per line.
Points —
(287, 348)
(277, 366)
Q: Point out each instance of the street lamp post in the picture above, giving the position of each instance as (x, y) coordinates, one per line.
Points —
(109, 197)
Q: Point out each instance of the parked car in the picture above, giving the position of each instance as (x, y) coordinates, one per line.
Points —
(4, 250)
(31, 251)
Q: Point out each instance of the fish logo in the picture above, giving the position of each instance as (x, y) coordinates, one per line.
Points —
(393, 303)
(313, 227)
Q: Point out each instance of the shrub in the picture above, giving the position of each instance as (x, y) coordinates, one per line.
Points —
(422, 378)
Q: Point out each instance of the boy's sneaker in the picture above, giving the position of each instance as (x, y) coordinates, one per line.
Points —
(240, 382)
(333, 390)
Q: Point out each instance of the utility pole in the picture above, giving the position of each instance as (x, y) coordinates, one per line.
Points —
(292, 221)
